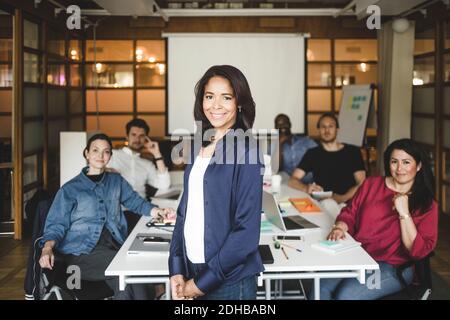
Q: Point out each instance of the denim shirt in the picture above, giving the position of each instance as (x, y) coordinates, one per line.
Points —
(232, 199)
(82, 208)
(293, 153)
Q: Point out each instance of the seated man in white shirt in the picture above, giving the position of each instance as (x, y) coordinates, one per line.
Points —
(139, 171)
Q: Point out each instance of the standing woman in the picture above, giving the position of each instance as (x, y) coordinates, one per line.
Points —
(394, 217)
(86, 223)
(214, 250)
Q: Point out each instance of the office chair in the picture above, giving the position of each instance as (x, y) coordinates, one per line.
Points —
(55, 283)
(45, 283)
(420, 288)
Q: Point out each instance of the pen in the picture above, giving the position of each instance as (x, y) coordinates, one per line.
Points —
(284, 252)
(286, 245)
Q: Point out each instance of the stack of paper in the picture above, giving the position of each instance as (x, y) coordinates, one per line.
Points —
(335, 247)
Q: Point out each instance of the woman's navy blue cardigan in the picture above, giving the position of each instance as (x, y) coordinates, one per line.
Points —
(232, 193)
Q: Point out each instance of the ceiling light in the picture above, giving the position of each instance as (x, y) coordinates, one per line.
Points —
(363, 67)
(161, 68)
(99, 68)
(400, 25)
(417, 82)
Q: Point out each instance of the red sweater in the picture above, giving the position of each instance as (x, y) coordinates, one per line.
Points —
(372, 221)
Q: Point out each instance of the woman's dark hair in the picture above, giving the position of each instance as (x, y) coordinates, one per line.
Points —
(422, 191)
(98, 136)
(238, 82)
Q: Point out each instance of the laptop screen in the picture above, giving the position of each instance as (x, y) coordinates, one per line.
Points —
(272, 211)
(274, 216)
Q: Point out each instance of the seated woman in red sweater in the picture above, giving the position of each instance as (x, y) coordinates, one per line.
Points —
(394, 217)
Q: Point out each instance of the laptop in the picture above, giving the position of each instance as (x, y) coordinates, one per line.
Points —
(273, 214)
(150, 243)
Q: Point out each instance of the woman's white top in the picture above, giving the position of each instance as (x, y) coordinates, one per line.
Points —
(194, 225)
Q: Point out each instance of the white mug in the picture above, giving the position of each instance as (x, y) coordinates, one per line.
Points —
(276, 182)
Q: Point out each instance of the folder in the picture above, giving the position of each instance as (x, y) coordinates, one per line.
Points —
(305, 205)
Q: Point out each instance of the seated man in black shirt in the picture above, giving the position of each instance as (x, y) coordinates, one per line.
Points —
(335, 166)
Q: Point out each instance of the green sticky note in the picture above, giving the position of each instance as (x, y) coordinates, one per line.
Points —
(266, 225)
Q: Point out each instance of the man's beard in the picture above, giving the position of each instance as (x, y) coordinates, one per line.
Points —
(135, 146)
(285, 131)
(328, 140)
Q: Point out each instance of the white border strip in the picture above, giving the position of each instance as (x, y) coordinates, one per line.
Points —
(233, 34)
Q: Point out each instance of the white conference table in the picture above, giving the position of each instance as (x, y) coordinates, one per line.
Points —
(311, 263)
(308, 264)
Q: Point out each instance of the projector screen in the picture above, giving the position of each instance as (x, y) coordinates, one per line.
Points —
(274, 65)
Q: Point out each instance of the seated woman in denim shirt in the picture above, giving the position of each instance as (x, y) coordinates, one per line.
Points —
(86, 224)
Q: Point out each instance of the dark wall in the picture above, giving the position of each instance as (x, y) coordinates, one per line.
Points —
(318, 27)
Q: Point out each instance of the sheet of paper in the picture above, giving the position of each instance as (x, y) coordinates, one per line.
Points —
(322, 194)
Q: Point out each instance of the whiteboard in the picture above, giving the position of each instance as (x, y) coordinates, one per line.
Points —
(71, 156)
(356, 104)
(274, 65)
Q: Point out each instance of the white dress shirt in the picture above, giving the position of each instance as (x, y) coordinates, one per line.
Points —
(138, 171)
(194, 224)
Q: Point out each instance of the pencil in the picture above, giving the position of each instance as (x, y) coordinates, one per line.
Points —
(282, 249)
(286, 245)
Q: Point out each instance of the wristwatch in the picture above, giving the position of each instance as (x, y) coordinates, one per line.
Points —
(404, 217)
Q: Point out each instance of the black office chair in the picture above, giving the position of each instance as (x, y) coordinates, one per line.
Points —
(47, 284)
(56, 284)
(421, 287)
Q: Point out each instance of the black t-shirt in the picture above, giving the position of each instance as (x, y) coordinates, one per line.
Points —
(333, 170)
(96, 177)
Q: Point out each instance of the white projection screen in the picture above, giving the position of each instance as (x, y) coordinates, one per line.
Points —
(274, 65)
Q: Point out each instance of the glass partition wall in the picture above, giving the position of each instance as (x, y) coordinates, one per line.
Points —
(332, 64)
(125, 79)
(6, 108)
(431, 101)
(50, 101)
(445, 121)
